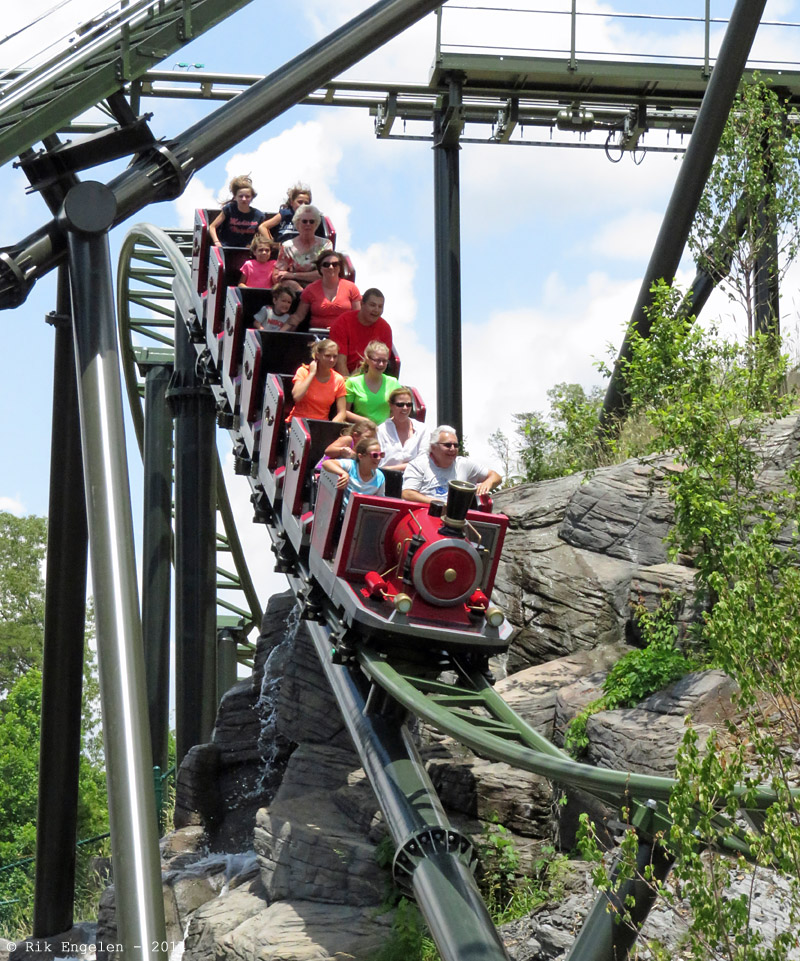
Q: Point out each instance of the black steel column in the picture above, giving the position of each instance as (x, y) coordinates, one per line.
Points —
(64, 626)
(157, 560)
(615, 920)
(88, 212)
(688, 189)
(195, 549)
(448, 124)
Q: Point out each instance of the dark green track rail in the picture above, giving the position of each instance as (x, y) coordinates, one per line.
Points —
(149, 261)
(471, 712)
(117, 47)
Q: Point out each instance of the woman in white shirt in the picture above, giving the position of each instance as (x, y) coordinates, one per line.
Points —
(400, 437)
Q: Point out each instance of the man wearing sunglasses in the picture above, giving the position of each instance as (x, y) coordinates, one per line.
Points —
(426, 478)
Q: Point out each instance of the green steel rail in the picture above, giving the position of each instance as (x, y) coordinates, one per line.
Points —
(117, 47)
(149, 260)
(471, 712)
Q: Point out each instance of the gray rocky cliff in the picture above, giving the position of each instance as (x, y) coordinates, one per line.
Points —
(275, 853)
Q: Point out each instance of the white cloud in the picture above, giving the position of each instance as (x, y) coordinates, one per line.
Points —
(12, 505)
(625, 237)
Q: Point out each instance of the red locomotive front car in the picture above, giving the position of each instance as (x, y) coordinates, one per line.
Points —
(399, 570)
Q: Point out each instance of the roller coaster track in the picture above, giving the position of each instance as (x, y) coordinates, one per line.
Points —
(96, 61)
(375, 691)
(149, 261)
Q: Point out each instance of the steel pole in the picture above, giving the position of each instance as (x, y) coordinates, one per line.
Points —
(442, 884)
(156, 551)
(447, 239)
(64, 626)
(164, 172)
(86, 216)
(688, 189)
(195, 548)
(614, 920)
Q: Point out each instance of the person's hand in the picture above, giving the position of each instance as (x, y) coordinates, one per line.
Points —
(279, 275)
(341, 481)
(217, 243)
(483, 488)
(312, 369)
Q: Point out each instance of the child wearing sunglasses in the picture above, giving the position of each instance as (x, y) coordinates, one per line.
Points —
(360, 474)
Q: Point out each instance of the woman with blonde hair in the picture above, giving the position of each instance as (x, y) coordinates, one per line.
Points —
(368, 391)
(316, 387)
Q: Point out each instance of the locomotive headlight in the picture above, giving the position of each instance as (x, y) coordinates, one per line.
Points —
(402, 603)
(495, 616)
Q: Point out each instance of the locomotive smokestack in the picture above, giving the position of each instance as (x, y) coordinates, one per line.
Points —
(460, 495)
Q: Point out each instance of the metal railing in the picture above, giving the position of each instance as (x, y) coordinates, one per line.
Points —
(572, 24)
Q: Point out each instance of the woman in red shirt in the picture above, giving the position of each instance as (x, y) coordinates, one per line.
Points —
(316, 387)
(330, 296)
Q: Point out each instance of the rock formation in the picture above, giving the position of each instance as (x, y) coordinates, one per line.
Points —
(280, 783)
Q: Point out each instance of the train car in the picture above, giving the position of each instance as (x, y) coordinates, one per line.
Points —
(398, 571)
(385, 571)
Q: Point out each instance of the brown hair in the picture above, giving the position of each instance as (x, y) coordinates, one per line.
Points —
(279, 289)
(400, 392)
(239, 183)
(361, 427)
(330, 253)
(294, 192)
(260, 241)
(365, 443)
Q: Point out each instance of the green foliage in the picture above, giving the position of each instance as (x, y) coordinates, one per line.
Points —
(508, 896)
(22, 552)
(709, 400)
(639, 673)
(499, 860)
(19, 765)
(753, 192)
(564, 441)
(406, 942)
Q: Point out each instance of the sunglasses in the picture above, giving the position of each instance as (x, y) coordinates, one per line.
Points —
(304, 220)
(332, 264)
(376, 454)
(449, 446)
(379, 360)
(402, 403)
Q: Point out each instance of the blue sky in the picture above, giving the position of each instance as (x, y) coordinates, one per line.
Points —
(554, 241)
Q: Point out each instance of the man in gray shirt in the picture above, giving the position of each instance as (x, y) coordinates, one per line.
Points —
(426, 477)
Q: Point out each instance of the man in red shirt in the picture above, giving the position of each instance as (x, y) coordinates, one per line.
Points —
(354, 329)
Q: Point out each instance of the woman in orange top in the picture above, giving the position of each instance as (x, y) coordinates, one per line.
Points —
(317, 386)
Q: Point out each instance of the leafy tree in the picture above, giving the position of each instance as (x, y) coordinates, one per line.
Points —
(710, 401)
(22, 550)
(561, 442)
(22, 553)
(752, 196)
(20, 714)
